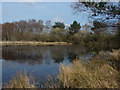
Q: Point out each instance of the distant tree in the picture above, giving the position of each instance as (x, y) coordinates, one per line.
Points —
(22, 25)
(74, 28)
(99, 27)
(48, 25)
(8, 31)
(35, 27)
(59, 25)
(40, 22)
(58, 34)
(40, 26)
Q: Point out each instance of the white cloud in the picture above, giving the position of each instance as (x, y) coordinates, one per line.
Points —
(21, 0)
(30, 3)
(67, 25)
(53, 0)
(58, 19)
(0, 12)
(39, 0)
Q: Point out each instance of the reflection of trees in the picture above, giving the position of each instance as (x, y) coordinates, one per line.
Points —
(58, 60)
(43, 54)
(72, 56)
(100, 47)
(21, 55)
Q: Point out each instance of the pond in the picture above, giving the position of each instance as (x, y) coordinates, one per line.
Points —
(41, 61)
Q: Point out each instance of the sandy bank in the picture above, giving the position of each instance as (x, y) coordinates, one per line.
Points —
(32, 43)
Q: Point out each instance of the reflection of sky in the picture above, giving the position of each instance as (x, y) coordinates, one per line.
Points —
(86, 57)
(0, 72)
(40, 72)
(55, 11)
(44, 61)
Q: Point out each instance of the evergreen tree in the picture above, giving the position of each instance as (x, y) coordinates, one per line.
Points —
(59, 25)
(74, 28)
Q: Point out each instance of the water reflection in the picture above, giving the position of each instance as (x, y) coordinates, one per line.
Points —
(40, 61)
(33, 55)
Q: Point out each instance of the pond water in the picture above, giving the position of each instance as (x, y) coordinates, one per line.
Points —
(40, 61)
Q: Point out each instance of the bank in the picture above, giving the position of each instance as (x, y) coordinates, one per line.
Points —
(31, 43)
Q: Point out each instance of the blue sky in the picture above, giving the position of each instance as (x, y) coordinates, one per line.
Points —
(54, 11)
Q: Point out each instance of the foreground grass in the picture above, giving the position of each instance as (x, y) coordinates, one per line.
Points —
(79, 75)
(99, 72)
(32, 43)
(21, 81)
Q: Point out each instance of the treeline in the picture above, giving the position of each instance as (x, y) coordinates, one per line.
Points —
(33, 30)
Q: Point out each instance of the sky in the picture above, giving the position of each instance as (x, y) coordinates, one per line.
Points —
(54, 11)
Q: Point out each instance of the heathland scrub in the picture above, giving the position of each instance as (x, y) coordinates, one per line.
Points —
(100, 72)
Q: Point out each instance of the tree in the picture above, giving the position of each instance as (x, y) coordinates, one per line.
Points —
(86, 27)
(59, 25)
(108, 9)
(8, 31)
(58, 34)
(99, 27)
(48, 25)
(74, 28)
(39, 26)
(101, 12)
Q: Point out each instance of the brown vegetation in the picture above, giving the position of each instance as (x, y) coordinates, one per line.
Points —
(102, 71)
(78, 75)
(21, 81)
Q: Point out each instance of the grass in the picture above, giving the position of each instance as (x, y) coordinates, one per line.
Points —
(115, 54)
(102, 71)
(96, 73)
(79, 75)
(21, 81)
(32, 43)
(50, 83)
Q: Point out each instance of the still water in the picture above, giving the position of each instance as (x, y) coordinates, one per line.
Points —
(40, 61)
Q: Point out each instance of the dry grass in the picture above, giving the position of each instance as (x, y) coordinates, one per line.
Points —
(21, 81)
(115, 54)
(32, 43)
(79, 75)
(50, 83)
